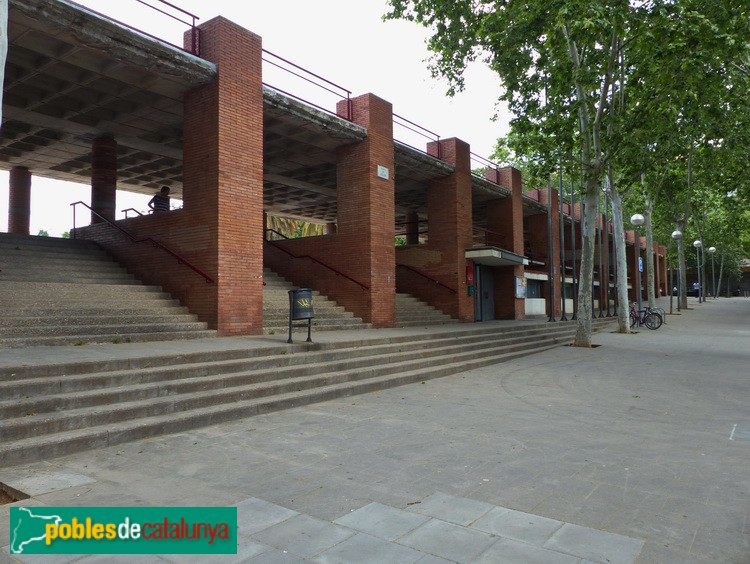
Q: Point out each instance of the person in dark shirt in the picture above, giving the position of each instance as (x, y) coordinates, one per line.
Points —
(160, 202)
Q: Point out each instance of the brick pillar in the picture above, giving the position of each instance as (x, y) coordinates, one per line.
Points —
(366, 208)
(449, 223)
(505, 230)
(19, 200)
(223, 176)
(103, 178)
(412, 228)
(330, 228)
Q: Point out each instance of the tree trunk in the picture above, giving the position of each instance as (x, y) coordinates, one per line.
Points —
(721, 272)
(681, 258)
(623, 312)
(585, 295)
(651, 284)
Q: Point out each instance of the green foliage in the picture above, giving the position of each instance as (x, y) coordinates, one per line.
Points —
(42, 233)
(283, 227)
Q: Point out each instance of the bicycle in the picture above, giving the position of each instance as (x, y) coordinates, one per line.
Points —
(646, 317)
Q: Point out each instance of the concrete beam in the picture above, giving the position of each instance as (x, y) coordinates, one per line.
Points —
(125, 45)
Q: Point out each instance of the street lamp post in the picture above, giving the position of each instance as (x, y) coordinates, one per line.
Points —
(698, 244)
(637, 220)
(712, 251)
(677, 235)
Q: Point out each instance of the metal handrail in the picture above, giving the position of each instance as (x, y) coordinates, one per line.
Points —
(320, 262)
(194, 31)
(423, 131)
(483, 162)
(279, 233)
(135, 239)
(125, 211)
(423, 275)
(341, 92)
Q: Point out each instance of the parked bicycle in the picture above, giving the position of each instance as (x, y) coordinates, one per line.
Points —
(646, 317)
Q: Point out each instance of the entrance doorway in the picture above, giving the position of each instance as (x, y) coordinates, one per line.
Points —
(484, 303)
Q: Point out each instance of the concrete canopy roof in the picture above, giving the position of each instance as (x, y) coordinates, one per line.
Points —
(72, 76)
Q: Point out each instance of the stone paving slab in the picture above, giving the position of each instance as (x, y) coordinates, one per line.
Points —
(452, 509)
(366, 549)
(509, 551)
(303, 536)
(518, 525)
(255, 515)
(597, 546)
(449, 541)
(381, 521)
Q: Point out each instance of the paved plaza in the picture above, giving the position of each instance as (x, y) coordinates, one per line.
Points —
(634, 451)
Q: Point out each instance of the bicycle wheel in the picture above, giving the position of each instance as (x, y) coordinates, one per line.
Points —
(662, 313)
(652, 320)
(633, 320)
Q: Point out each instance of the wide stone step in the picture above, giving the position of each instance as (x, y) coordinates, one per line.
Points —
(79, 278)
(49, 244)
(72, 392)
(48, 330)
(82, 339)
(86, 309)
(96, 319)
(76, 377)
(58, 444)
(67, 288)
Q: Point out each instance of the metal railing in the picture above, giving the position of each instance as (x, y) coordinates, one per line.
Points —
(135, 239)
(194, 31)
(336, 271)
(425, 276)
(482, 164)
(309, 77)
(125, 211)
(419, 130)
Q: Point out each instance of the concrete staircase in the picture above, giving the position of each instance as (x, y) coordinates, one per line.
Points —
(413, 312)
(329, 315)
(59, 409)
(61, 291)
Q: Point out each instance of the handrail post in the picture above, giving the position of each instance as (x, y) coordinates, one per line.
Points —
(74, 221)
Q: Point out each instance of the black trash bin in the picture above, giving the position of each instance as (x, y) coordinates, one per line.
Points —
(301, 308)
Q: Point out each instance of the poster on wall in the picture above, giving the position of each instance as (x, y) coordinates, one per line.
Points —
(520, 287)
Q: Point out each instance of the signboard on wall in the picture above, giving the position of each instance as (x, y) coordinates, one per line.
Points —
(520, 287)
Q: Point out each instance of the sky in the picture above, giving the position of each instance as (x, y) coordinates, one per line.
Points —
(344, 41)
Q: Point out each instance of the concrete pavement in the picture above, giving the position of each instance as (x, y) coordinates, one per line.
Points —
(634, 451)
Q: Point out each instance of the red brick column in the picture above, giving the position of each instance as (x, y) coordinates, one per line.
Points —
(449, 224)
(223, 177)
(19, 200)
(505, 230)
(366, 211)
(103, 178)
(539, 236)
